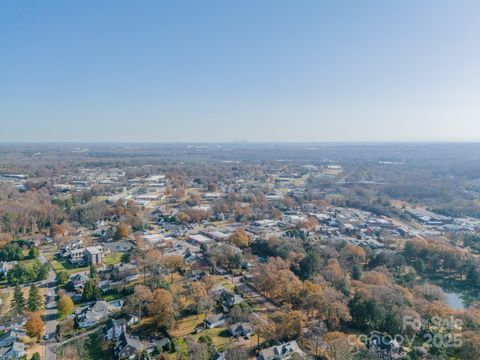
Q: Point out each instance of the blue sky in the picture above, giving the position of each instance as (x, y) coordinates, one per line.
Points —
(239, 70)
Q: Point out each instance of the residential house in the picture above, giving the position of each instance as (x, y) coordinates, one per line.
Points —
(106, 285)
(215, 321)
(11, 335)
(12, 350)
(199, 239)
(13, 322)
(231, 300)
(159, 345)
(122, 271)
(196, 275)
(78, 281)
(127, 347)
(216, 235)
(210, 196)
(132, 319)
(65, 249)
(92, 315)
(218, 290)
(218, 356)
(10, 345)
(240, 330)
(114, 328)
(5, 267)
(281, 352)
(191, 258)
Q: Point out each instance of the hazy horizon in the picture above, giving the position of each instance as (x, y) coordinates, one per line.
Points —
(261, 72)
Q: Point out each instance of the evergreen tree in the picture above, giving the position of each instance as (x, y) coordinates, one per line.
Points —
(34, 299)
(419, 265)
(91, 291)
(357, 272)
(62, 277)
(366, 314)
(309, 266)
(93, 272)
(33, 252)
(42, 272)
(18, 302)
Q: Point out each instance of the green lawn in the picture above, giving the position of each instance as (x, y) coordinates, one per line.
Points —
(28, 263)
(219, 336)
(65, 265)
(112, 258)
(187, 325)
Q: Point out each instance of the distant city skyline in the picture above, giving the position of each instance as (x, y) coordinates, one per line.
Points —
(256, 71)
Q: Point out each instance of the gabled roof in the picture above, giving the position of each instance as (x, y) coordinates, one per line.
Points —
(240, 328)
(280, 351)
(125, 340)
(215, 318)
(9, 349)
(98, 311)
(233, 299)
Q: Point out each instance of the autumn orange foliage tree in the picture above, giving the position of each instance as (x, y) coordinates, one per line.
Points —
(123, 231)
(35, 325)
(240, 238)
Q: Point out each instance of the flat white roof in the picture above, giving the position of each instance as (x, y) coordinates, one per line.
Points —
(94, 249)
(199, 238)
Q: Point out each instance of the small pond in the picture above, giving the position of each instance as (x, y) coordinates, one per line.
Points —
(455, 300)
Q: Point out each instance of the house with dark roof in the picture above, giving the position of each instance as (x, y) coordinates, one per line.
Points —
(127, 347)
(231, 300)
(78, 281)
(13, 322)
(159, 345)
(240, 329)
(218, 356)
(113, 329)
(12, 350)
(11, 335)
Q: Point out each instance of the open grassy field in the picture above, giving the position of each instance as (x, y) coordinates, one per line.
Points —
(28, 263)
(7, 295)
(65, 265)
(219, 336)
(186, 325)
(112, 258)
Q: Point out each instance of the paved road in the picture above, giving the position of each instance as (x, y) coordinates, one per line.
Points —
(50, 314)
